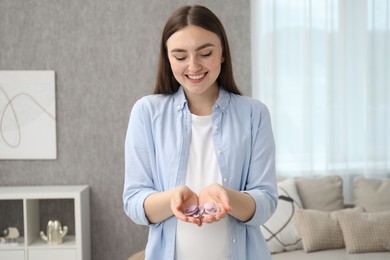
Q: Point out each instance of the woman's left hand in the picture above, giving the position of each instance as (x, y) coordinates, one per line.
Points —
(216, 194)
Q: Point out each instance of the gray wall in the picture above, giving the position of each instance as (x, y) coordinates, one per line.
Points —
(104, 54)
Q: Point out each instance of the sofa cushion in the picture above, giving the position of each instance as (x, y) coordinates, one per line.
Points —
(365, 231)
(372, 194)
(320, 230)
(322, 193)
(281, 231)
(335, 254)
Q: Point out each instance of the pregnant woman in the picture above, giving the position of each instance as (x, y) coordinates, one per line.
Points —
(199, 156)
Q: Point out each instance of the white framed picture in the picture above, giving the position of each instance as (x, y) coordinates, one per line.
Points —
(27, 115)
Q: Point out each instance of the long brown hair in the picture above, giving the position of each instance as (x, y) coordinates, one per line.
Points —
(202, 17)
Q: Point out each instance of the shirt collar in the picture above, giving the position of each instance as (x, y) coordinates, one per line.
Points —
(179, 99)
(223, 100)
(221, 103)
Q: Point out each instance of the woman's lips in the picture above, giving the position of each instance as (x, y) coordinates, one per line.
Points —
(197, 76)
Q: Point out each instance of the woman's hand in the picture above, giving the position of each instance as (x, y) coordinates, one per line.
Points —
(182, 198)
(216, 194)
(160, 206)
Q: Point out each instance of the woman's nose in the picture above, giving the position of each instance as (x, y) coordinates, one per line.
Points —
(194, 65)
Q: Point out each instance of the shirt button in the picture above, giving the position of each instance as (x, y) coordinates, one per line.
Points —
(219, 152)
(234, 240)
(225, 179)
(216, 127)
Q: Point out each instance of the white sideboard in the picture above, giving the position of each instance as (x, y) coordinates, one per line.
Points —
(30, 246)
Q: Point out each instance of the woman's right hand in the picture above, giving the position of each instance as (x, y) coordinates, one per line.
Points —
(182, 198)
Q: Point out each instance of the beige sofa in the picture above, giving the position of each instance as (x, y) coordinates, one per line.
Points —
(334, 254)
(312, 221)
(138, 256)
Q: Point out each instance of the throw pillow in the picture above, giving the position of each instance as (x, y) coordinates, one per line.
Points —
(371, 194)
(323, 193)
(365, 231)
(320, 230)
(280, 231)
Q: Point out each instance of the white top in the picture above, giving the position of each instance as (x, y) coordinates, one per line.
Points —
(211, 240)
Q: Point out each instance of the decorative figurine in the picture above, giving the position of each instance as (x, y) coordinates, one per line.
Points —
(55, 232)
(11, 235)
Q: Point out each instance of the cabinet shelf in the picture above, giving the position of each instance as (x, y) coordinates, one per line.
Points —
(18, 245)
(68, 242)
(29, 208)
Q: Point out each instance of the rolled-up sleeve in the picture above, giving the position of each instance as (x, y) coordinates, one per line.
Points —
(138, 174)
(261, 184)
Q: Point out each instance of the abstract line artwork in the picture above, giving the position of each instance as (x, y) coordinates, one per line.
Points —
(27, 115)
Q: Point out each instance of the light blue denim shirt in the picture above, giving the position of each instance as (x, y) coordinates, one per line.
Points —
(156, 155)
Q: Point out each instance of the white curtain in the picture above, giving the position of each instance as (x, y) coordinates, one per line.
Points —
(323, 69)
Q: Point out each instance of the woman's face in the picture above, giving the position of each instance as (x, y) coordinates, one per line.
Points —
(195, 55)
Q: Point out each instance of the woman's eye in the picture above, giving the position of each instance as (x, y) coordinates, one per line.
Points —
(180, 58)
(206, 54)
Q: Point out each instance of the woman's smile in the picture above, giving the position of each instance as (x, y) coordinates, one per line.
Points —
(196, 77)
